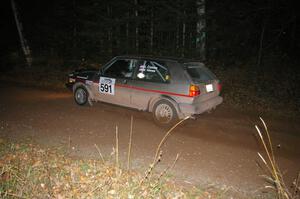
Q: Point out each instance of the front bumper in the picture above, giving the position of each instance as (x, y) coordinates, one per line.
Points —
(69, 86)
(201, 107)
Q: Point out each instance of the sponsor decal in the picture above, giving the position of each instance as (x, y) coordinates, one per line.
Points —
(81, 77)
(88, 82)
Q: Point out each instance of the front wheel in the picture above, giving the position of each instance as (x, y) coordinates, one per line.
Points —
(164, 113)
(81, 96)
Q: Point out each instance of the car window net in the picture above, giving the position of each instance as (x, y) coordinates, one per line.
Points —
(152, 71)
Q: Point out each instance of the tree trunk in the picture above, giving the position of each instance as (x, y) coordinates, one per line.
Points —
(24, 44)
(136, 26)
(127, 32)
(261, 42)
(109, 33)
(183, 35)
(151, 30)
(200, 29)
(74, 25)
(177, 34)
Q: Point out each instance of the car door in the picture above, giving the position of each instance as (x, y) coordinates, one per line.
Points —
(151, 79)
(113, 82)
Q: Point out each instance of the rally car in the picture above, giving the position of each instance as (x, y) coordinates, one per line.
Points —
(170, 88)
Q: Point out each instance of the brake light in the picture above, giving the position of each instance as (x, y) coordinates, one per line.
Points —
(194, 91)
(219, 87)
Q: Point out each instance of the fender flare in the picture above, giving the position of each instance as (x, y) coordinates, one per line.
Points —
(169, 99)
(80, 84)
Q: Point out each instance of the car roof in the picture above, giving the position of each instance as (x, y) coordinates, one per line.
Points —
(165, 59)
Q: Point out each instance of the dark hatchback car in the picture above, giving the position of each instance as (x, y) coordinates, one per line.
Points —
(171, 89)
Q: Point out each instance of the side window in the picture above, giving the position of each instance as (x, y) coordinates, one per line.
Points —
(152, 71)
(120, 69)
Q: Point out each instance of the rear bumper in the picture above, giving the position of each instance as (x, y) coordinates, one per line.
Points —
(194, 109)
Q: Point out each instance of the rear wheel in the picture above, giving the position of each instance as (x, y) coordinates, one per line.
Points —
(81, 96)
(164, 113)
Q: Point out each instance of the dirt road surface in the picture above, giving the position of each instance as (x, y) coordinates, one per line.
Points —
(218, 149)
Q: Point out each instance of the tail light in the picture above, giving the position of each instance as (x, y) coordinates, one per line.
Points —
(194, 91)
(219, 87)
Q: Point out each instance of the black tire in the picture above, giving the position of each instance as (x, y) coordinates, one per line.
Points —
(164, 113)
(81, 96)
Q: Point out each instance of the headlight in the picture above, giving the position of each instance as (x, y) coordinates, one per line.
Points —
(71, 80)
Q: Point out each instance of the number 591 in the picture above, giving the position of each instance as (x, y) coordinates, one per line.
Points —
(105, 88)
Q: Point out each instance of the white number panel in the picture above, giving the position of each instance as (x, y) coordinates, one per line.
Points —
(107, 85)
(209, 88)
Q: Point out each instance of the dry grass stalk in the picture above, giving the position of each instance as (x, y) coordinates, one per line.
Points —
(275, 175)
(15, 195)
(166, 136)
(151, 167)
(99, 186)
(296, 185)
(100, 154)
(158, 152)
(130, 143)
(69, 143)
(168, 168)
(117, 148)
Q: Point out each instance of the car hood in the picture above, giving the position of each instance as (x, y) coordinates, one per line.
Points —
(84, 73)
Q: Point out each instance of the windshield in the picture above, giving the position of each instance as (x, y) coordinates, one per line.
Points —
(199, 73)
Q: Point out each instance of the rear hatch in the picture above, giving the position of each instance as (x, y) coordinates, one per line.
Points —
(203, 78)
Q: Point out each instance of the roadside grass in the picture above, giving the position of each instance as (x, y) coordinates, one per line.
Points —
(28, 170)
(273, 175)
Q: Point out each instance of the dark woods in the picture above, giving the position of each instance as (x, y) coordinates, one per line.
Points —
(101, 29)
(96, 29)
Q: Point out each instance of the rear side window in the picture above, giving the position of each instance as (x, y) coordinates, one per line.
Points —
(151, 71)
(199, 73)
